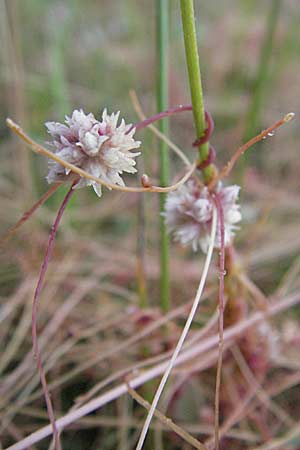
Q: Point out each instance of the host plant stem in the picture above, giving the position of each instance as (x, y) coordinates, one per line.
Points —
(263, 71)
(262, 83)
(162, 30)
(193, 66)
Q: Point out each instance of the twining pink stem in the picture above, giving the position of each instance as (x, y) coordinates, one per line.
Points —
(200, 141)
(161, 115)
(26, 216)
(209, 160)
(221, 227)
(195, 351)
(208, 132)
(36, 350)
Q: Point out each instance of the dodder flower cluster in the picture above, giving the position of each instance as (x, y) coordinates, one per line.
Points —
(100, 148)
(188, 214)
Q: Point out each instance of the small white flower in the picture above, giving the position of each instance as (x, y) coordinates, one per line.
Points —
(100, 148)
(189, 210)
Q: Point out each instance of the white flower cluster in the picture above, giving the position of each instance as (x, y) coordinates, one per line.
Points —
(100, 148)
(189, 210)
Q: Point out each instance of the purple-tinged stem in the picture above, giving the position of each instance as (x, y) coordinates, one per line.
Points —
(29, 213)
(221, 225)
(36, 350)
(225, 171)
(195, 351)
(175, 110)
(198, 142)
(208, 131)
(161, 115)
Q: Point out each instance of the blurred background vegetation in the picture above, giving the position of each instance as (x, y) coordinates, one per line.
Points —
(60, 55)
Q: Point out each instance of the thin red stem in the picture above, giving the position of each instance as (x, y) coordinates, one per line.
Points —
(36, 350)
(161, 115)
(142, 377)
(225, 171)
(29, 213)
(178, 109)
(221, 226)
(202, 140)
(208, 131)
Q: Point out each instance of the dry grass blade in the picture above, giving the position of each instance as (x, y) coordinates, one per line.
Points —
(178, 430)
(183, 335)
(20, 332)
(281, 442)
(260, 392)
(142, 116)
(221, 224)
(259, 297)
(142, 378)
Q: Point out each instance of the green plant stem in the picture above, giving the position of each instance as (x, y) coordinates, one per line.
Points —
(253, 118)
(162, 104)
(193, 66)
(141, 245)
(58, 85)
(11, 27)
(58, 37)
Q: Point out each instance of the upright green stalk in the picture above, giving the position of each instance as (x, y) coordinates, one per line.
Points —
(141, 245)
(58, 81)
(162, 103)
(11, 27)
(192, 60)
(253, 118)
(260, 86)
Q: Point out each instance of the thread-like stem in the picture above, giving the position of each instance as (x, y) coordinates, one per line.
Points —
(183, 336)
(162, 30)
(36, 349)
(268, 132)
(43, 151)
(138, 109)
(196, 351)
(193, 66)
(26, 216)
(159, 116)
(221, 230)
